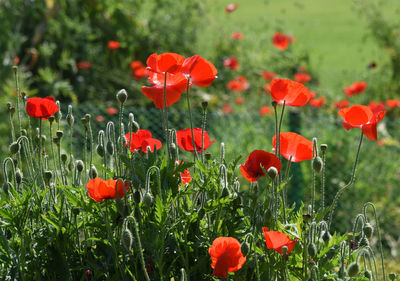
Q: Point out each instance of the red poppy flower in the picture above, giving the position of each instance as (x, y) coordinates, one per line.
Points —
(141, 140)
(341, 104)
(239, 100)
(231, 63)
(280, 41)
(265, 110)
(113, 45)
(226, 256)
(237, 35)
(41, 108)
(317, 102)
(185, 176)
(139, 70)
(99, 189)
(268, 76)
(83, 65)
(16, 60)
(294, 147)
(267, 88)
(302, 77)
(201, 72)
(185, 141)
(355, 88)
(166, 62)
(230, 8)
(227, 109)
(376, 106)
(238, 85)
(393, 103)
(361, 116)
(99, 118)
(276, 240)
(251, 170)
(112, 110)
(294, 93)
(176, 84)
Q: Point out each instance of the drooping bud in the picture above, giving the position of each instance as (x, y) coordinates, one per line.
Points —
(137, 196)
(47, 177)
(58, 114)
(317, 164)
(312, 250)
(14, 147)
(368, 230)
(324, 147)
(392, 276)
(93, 172)
(245, 248)
(100, 150)
(148, 199)
(363, 242)
(204, 105)
(51, 119)
(133, 124)
(126, 239)
(353, 269)
(224, 192)
(70, 118)
(59, 134)
(368, 274)
(18, 176)
(272, 172)
(79, 165)
(326, 236)
(64, 158)
(122, 96)
(110, 147)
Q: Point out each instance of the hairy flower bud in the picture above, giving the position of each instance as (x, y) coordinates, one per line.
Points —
(18, 176)
(47, 175)
(368, 274)
(137, 196)
(324, 147)
(64, 158)
(93, 172)
(317, 164)
(58, 114)
(272, 172)
(14, 147)
(79, 165)
(110, 147)
(100, 150)
(148, 199)
(353, 269)
(126, 239)
(122, 96)
(368, 230)
(245, 248)
(70, 118)
(133, 124)
(312, 250)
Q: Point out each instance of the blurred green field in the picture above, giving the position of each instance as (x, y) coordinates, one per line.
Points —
(333, 32)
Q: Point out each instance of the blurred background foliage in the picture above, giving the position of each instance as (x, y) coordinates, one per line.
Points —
(48, 39)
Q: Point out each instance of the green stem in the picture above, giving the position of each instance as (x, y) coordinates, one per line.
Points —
(191, 118)
(17, 94)
(323, 180)
(40, 152)
(140, 248)
(166, 114)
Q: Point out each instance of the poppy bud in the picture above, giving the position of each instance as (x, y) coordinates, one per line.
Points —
(274, 104)
(148, 199)
(47, 176)
(93, 172)
(59, 134)
(245, 248)
(272, 172)
(312, 250)
(71, 163)
(100, 150)
(368, 230)
(317, 164)
(284, 250)
(137, 196)
(201, 214)
(79, 165)
(122, 95)
(51, 119)
(368, 274)
(204, 105)
(70, 118)
(224, 192)
(324, 147)
(353, 269)
(44, 138)
(133, 124)
(24, 132)
(392, 276)
(331, 253)
(56, 140)
(64, 158)
(58, 114)
(363, 242)
(76, 211)
(126, 239)
(14, 147)
(18, 176)
(5, 187)
(110, 147)
(87, 117)
(326, 236)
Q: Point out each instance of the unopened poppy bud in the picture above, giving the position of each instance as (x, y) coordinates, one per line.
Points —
(93, 172)
(59, 134)
(122, 96)
(274, 103)
(137, 196)
(58, 114)
(204, 105)
(11, 109)
(245, 248)
(47, 176)
(317, 164)
(326, 236)
(363, 242)
(110, 148)
(44, 138)
(331, 253)
(201, 214)
(126, 239)
(64, 158)
(56, 140)
(272, 172)
(284, 250)
(70, 118)
(51, 119)
(100, 150)
(87, 117)
(392, 276)
(368, 230)
(312, 250)
(324, 147)
(148, 199)
(79, 165)
(368, 274)
(353, 269)
(14, 147)
(224, 192)
(24, 132)
(18, 176)
(71, 163)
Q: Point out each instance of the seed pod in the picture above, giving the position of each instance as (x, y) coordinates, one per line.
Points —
(353, 269)
(272, 172)
(14, 147)
(126, 239)
(93, 172)
(147, 199)
(317, 164)
(312, 250)
(79, 165)
(245, 248)
(368, 230)
(122, 96)
(110, 148)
